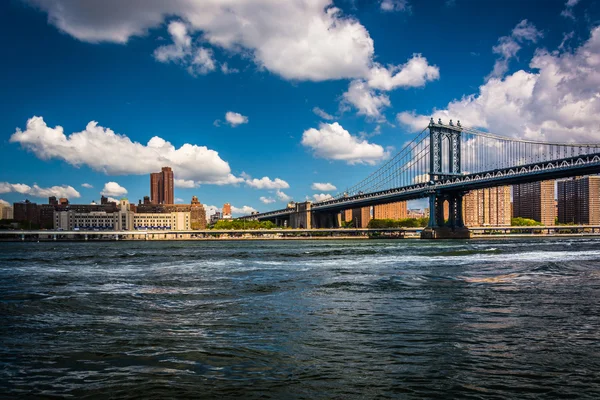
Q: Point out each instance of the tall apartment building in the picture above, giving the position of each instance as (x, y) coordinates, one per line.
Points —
(162, 187)
(534, 201)
(579, 201)
(396, 210)
(487, 207)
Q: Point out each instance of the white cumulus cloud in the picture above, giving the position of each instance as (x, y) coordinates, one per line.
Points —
(365, 99)
(509, 46)
(104, 150)
(323, 187)
(333, 142)
(322, 197)
(415, 73)
(282, 196)
(267, 183)
(37, 191)
(113, 189)
(242, 210)
(184, 184)
(267, 200)
(340, 47)
(234, 119)
(87, 186)
(558, 100)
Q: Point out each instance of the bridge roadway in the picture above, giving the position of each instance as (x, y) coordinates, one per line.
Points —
(543, 170)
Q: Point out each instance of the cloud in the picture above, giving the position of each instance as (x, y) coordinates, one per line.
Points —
(282, 196)
(323, 187)
(365, 100)
(87, 186)
(333, 142)
(415, 73)
(322, 113)
(394, 5)
(322, 197)
(36, 191)
(197, 60)
(267, 200)
(113, 189)
(266, 183)
(508, 46)
(243, 210)
(558, 100)
(104, 150)
(365, 95)
(568, 11)
(4, 203)
(185, 184)
(340, 47)
(178, 200)
(234, 119)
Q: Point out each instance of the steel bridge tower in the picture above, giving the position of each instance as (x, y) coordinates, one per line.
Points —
(444, 165)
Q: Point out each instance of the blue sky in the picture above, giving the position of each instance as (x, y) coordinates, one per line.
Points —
(318, 92)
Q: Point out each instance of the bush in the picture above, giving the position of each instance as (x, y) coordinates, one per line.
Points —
(398, 223)
(519, 221)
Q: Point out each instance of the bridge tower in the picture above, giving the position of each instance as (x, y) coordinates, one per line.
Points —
(445, 139)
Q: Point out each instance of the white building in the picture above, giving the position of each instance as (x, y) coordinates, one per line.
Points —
(175, 221)
(121, 220)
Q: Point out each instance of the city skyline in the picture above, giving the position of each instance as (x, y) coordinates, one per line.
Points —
(257, 130)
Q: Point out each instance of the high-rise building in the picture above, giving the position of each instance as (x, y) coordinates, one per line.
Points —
(226, 211)
(579, 201)
(487, 207)
(162, 187)
(396, 210)
(534, 201)
(6, 211)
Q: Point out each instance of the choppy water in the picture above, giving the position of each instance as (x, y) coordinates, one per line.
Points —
(301, 319)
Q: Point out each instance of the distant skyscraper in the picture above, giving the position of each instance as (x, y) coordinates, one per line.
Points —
(162, 187)
(534, 201)
(487, 207)
(579, 201)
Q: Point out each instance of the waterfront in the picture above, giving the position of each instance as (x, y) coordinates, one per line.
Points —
(509, 318)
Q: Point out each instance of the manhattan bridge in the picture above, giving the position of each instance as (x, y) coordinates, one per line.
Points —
(443, 163)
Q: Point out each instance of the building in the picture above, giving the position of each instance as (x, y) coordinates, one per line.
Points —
(226, 211)
(162, 187)
(195, 208)
(215, 217)
(6, 211)
(487, 207)
(534, 201)
(396, 210)
(579, 201)
(118, 220)
(175, 221)
(27, 212)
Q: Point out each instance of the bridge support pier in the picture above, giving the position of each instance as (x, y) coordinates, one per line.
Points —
(326, 220)
(439, 228)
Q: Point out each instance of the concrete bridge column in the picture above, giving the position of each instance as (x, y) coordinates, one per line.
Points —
(454, 228)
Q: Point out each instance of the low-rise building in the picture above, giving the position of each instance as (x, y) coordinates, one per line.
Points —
(174, 221)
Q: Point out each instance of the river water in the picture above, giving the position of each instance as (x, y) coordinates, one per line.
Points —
(301, 319)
